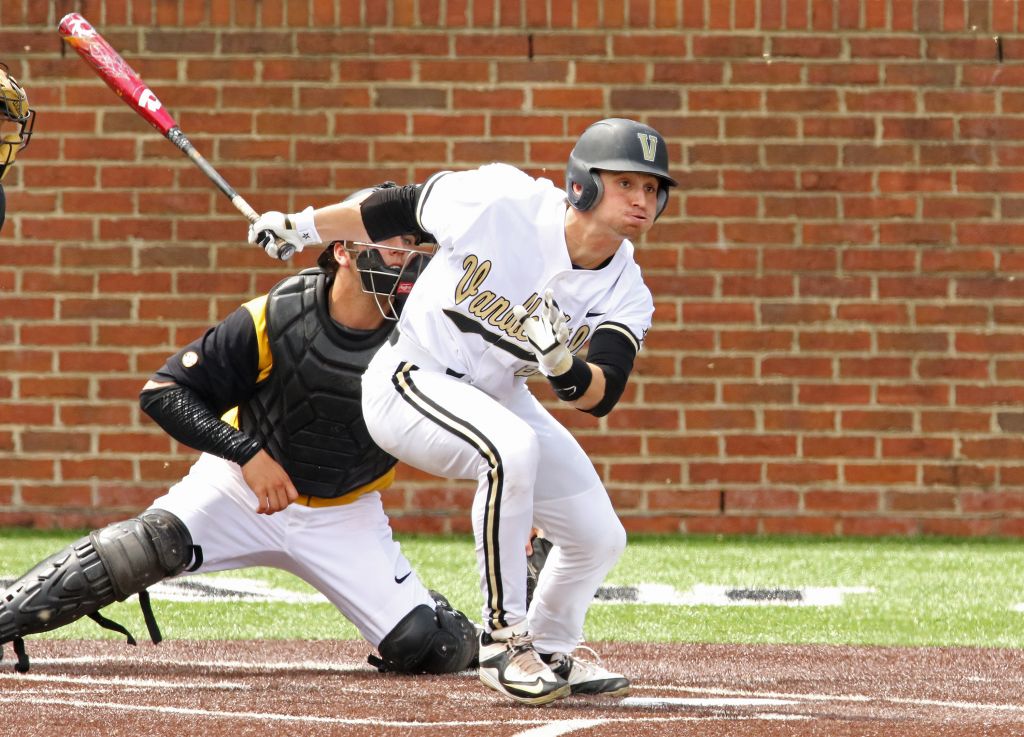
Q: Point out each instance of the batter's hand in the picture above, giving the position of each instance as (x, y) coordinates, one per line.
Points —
(297, 229)
(270, 483)
(547, 334)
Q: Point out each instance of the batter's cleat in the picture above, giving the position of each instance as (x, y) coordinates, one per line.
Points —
(513, 668)
(587, 678)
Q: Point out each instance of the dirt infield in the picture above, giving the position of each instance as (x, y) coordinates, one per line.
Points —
(326, 688)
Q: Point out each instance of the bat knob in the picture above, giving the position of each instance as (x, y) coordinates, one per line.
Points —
(274, 247)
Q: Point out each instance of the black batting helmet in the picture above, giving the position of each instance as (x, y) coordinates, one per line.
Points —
(616, 144)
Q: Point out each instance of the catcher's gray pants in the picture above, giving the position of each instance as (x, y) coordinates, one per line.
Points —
(346, 552)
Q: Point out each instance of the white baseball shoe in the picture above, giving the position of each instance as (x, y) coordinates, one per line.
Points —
(513, 668)
(587, 678)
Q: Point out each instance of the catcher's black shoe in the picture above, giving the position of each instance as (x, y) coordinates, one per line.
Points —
(587, 678)
(513, 668)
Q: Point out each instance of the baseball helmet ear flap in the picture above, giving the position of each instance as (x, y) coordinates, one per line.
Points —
(589, 180)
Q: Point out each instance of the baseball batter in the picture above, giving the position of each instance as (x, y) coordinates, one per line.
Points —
(525, 275)
(293, 482)
(16, 123)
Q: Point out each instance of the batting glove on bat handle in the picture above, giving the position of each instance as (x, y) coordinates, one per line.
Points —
(283, 235)
(547, 335)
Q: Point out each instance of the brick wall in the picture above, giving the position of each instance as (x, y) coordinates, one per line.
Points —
(838, 343)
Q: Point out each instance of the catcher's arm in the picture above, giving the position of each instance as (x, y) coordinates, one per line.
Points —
(183, 415)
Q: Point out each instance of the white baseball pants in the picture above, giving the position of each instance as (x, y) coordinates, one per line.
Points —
(345, 552)
(530, 471)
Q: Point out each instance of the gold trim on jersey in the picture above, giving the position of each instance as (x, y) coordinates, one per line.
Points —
(495, 598)
(378, 484)
(620, 329)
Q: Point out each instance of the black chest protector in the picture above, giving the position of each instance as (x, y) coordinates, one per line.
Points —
(307, 412)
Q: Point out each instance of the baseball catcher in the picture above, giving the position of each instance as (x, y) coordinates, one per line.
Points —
(288, 476)
(16, 122)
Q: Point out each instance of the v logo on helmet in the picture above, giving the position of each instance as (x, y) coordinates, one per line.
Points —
(649, 144)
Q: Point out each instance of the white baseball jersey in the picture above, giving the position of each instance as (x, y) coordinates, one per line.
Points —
(494, 254)
(449, 397)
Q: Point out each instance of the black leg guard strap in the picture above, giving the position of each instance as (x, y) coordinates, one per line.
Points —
(110, 624)
(147, 614)
(19, 650)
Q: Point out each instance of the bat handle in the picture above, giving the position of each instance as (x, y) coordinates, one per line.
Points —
(275, 247)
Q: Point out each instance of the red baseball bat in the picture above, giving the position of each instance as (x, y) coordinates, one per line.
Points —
(127, 84)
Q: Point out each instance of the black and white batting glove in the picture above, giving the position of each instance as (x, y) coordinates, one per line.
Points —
(298, 229)
(547, 335)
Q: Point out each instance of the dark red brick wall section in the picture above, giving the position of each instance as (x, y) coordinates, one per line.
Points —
(839, 334)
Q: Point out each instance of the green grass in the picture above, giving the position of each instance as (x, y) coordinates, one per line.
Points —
(926, 592)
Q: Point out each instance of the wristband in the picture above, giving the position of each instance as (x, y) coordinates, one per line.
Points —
(306, 227)
(573, 384)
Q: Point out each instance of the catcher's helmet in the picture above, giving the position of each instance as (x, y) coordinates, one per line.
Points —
(616, 144)
(394, 283)
(14, 108)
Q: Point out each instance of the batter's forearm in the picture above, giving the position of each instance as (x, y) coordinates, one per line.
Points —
(594, 393)
(340, 222)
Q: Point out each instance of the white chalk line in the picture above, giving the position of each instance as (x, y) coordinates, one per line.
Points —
(314, 665)
(965, 705)
(349, 667)
(218, 684)
(273, 717)
(736, 698)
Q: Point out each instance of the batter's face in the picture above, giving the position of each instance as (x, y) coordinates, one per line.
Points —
(629, 202)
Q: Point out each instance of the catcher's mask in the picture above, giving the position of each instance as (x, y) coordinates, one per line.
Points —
(389, 277)
(14, 108)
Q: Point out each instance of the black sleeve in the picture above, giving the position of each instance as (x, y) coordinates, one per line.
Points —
(221, 367)
(3, 206)
(392, 211)
(189, 420)
(613, 353)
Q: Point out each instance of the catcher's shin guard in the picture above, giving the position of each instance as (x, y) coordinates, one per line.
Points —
(107, 565)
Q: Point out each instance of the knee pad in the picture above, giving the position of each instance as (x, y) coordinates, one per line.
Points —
(142, 551)
(439, 640)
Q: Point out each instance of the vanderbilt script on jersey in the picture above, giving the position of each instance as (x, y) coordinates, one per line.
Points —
(495, 253)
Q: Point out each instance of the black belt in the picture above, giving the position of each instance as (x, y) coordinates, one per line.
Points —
(393, 340)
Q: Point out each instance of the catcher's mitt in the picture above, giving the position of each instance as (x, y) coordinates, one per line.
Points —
(13, 100)
(13, 108)
(534, 563)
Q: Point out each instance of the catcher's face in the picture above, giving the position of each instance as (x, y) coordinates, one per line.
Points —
(386, 270)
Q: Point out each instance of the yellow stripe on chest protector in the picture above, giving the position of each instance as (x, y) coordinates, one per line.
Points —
(258, 310)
